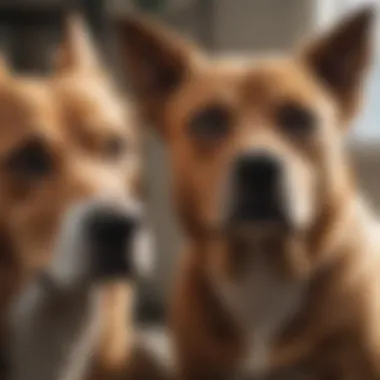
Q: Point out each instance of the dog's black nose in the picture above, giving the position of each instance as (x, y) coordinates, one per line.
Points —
(256, 187)
(110, 227)
(257, 172)
(110, 235)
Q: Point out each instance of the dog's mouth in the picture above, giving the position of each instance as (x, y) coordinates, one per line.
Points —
(119, 242)
(258, 209)
(110, 236)
(101, 240)
(252, 227)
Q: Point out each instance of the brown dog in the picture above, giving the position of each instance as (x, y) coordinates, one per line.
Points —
(70, 205)
(280, 275)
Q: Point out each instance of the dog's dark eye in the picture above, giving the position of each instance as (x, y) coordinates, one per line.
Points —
(32, 160)
(211, 123)
(296, 119)
(115, 147)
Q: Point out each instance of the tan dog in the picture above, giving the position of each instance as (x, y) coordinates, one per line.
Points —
(281, 272)
(69, 198)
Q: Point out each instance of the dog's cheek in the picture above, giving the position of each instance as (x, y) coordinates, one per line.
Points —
(196, 193)
(336, 171)
(187, 207)
(300, 191)
(191, 204)
(143, 253)
(210, 188)
(135, 184)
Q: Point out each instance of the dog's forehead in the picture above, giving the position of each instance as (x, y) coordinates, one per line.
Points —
(252, 82)
(27, 99)
(278, 79)
(27, 107)
(271, 75)
(93, 104)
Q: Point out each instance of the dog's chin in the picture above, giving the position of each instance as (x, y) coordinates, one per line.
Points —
(258, 231)
(253, 227)
(244, 230)
(135, 260)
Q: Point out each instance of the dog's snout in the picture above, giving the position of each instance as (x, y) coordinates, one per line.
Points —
(256, 188)
(109, 227)
(257, 171)
(110, 234)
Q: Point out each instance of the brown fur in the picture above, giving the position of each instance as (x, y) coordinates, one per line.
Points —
(334, 334)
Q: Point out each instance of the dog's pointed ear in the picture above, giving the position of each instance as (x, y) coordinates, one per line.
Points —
(341, 57)
(155, 60)
(77, 51)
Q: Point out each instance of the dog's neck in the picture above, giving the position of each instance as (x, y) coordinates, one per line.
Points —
(116, 335)
(347, 258)
(114, 340)
(330, 247)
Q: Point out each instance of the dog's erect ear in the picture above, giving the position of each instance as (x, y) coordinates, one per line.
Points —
(155, 60)
(77, 51)
(341, 58)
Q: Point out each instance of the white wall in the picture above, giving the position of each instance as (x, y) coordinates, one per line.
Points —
(261, 24)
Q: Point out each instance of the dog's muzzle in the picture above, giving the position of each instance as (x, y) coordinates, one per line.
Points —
(256, 194)
(110, 233)
(101, 240)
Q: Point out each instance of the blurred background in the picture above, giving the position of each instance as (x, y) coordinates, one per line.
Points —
(29, 30)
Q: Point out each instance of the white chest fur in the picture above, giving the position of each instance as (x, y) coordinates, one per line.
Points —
(263, 303)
